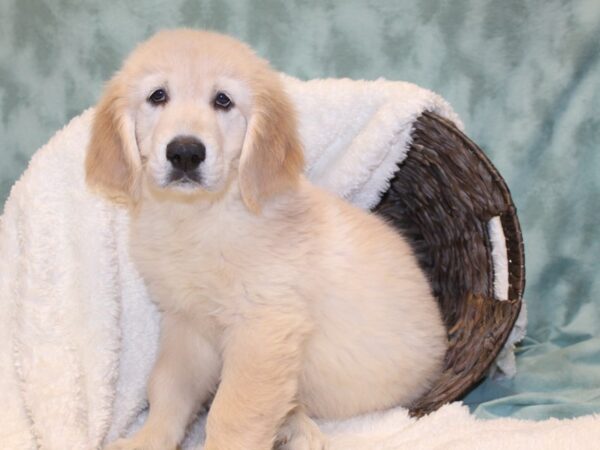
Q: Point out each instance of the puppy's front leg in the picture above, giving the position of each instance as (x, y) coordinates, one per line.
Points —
(184, 376)
(259, 382)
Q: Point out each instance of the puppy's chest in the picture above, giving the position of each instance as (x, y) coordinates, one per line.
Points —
(190, 263)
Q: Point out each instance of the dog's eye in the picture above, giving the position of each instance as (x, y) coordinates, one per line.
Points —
(158, 97)
(222, 101)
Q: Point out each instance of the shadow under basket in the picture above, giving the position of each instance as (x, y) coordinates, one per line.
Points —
(442, 198)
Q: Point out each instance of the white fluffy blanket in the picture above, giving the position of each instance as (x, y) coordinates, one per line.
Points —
(77, 331)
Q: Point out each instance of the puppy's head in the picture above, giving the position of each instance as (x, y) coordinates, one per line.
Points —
(189, 114)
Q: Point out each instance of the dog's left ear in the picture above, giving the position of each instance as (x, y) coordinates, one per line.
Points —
(112, 162)
(272, 157)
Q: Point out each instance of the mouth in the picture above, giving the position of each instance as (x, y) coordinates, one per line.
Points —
(179, 178)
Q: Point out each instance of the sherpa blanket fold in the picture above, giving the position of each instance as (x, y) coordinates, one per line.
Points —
(78, 333)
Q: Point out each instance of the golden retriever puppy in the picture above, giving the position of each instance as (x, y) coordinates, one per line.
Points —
(279, 301)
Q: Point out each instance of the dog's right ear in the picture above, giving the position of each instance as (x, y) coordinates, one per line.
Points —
(113, 162)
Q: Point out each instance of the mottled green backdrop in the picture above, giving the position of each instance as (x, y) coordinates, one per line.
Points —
(524, 76)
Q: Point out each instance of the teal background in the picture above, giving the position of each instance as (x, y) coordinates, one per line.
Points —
(524, 76)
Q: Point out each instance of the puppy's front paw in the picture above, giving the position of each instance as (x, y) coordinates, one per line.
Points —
(303, 442)
(299, 432)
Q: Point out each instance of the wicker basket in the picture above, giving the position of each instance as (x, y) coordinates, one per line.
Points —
(441, 198)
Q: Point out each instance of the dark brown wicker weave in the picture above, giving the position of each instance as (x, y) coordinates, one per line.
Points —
(441, 198)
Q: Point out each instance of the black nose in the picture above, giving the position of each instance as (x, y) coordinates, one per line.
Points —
(186, 153)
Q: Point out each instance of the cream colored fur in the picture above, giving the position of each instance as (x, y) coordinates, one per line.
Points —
(279, 300)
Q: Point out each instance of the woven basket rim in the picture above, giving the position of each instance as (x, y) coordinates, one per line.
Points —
(435, 135)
